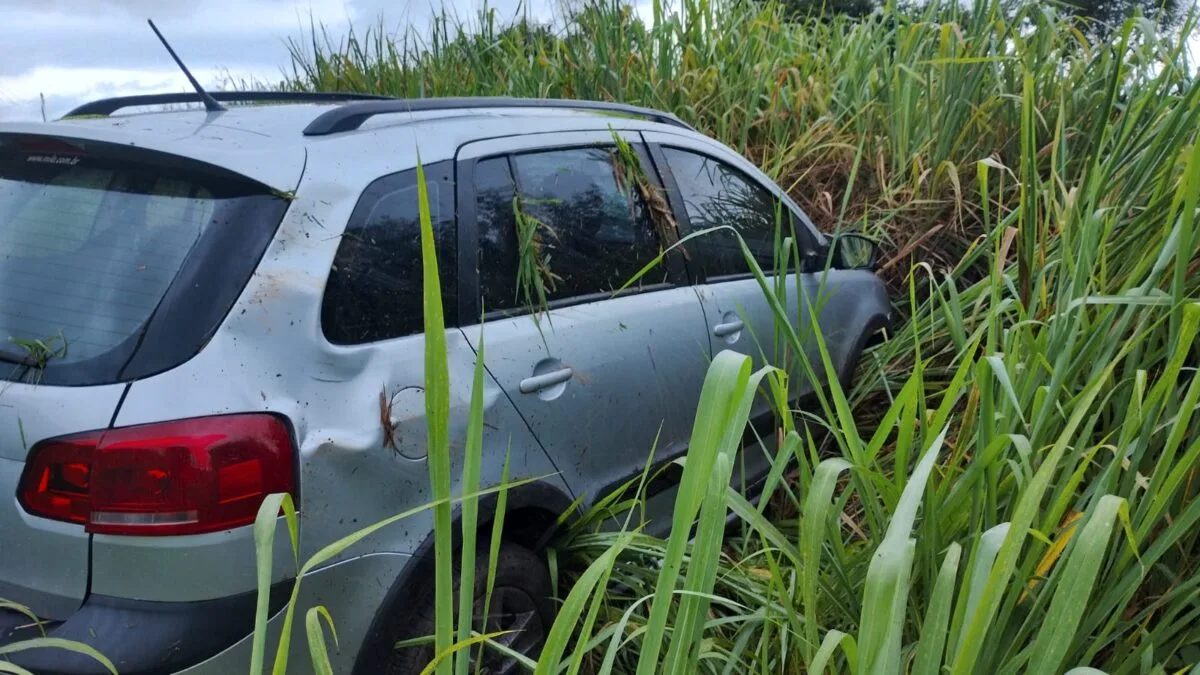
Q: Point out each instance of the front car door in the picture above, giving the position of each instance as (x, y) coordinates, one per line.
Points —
(711, 187)
(600, 380)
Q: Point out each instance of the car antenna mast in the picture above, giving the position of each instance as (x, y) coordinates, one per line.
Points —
(210, 103)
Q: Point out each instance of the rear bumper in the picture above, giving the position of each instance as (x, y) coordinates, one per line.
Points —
(215, 637)
(140, 637)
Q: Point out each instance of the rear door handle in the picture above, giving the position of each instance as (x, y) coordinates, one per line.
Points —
(728, 328)
(545, 380)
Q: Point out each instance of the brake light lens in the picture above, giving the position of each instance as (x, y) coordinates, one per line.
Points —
(182, 477)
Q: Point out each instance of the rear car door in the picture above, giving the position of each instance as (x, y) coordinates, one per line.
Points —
(713, 187)
(600, 380)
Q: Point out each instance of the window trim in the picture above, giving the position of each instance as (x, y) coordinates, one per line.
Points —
(575, 300)
(675, 197)
(693, 271)
(468, 241)
(468, 234)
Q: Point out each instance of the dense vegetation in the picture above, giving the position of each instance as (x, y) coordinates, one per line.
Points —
(1097, 18)
(1010, 486)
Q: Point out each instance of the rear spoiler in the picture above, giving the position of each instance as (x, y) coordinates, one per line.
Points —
(275, 165)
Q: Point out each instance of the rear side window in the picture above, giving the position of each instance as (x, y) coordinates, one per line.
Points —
(90, 243)
(716, 194)
(375, 290)
(593, 234)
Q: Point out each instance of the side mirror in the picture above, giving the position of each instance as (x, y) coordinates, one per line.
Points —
(854, 252)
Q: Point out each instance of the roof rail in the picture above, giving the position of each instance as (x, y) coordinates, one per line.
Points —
(352, 115)
(109, 106)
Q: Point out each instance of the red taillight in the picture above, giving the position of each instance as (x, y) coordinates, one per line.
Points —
(183, 477)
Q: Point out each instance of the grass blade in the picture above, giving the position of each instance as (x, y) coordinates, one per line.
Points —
(472, 463)
(814, 523)
(591, 581)
(928, 660)
(833, 640)
(1077, 584)
(59, 643)
(729, 372)
(437, 416)
(265, 525)
(316, 638)
(888, 576)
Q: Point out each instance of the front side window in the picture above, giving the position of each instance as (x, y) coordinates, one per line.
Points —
(591, 233)
(375, 288)
(717, 194)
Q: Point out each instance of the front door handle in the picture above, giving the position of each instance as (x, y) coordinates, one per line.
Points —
(545, 380)
(728, 328)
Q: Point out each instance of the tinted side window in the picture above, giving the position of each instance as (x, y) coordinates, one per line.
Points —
(716, 194)
(374, 290)
(597, 235)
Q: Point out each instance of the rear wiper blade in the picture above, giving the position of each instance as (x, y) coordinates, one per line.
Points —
(20, 359)
(34, 353)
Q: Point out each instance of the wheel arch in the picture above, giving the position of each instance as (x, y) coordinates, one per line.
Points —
(865, 339)
(533, 516)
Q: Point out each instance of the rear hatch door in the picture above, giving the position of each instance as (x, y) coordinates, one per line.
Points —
(101, 244)
(43, 563)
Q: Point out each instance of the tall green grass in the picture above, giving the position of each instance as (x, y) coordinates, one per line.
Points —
(878, 124)
(1009, 486)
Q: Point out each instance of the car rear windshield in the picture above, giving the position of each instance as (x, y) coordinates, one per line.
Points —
(91, 240)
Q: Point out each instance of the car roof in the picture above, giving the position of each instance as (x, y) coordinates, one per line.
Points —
(267, 142)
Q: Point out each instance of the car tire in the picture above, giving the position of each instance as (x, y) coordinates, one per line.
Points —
(522, 597)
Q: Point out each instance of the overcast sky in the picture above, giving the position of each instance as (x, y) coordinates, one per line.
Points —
(76, 50)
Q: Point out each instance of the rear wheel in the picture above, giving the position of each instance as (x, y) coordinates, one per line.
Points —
(521, 603)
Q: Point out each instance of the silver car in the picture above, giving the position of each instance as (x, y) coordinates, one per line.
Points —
(202, 308)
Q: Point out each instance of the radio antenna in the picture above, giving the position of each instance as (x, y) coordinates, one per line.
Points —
(210, 103)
